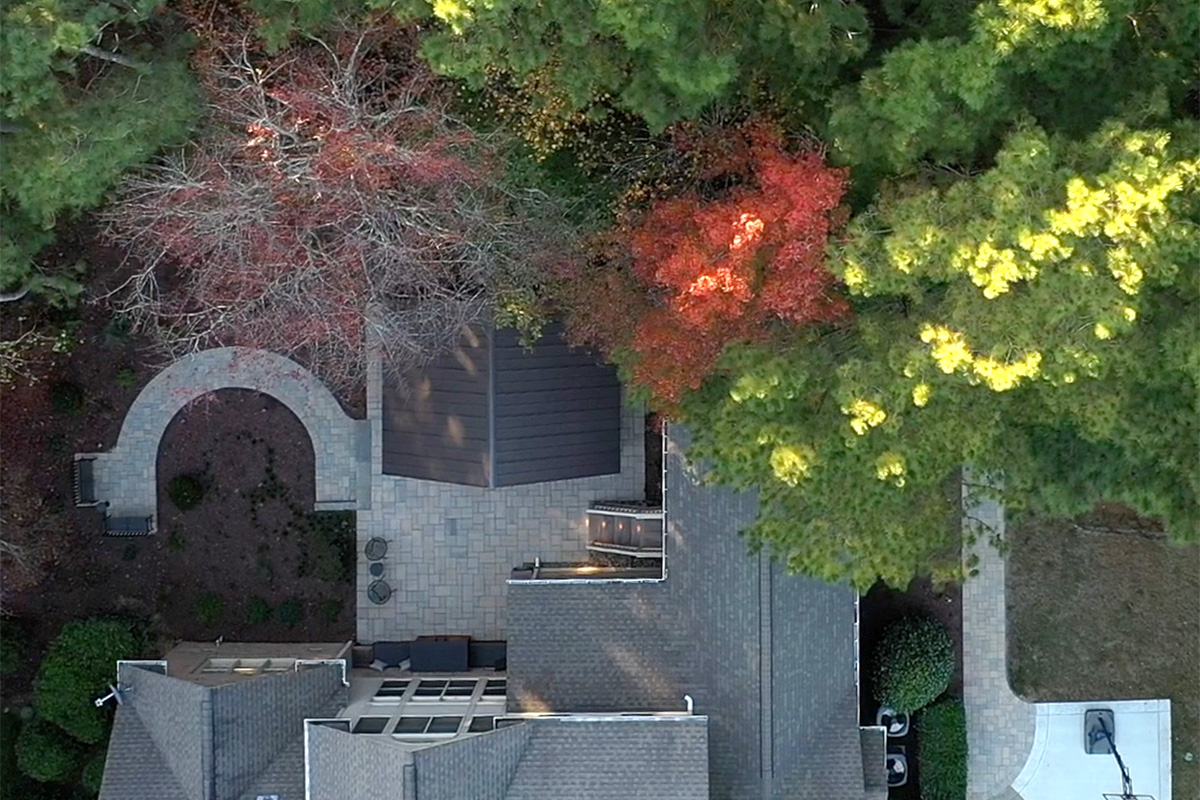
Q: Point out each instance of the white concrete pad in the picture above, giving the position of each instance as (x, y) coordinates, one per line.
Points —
(1059, 768)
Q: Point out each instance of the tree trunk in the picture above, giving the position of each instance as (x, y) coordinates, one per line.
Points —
(116, 58)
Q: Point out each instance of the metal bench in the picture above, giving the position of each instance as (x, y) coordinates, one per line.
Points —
(128, 526)
(85, 481)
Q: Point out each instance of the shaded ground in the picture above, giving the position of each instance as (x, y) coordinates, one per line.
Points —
(81, 377)
(1108, 616)
(252, 536)
(882, 606)
(254, 532)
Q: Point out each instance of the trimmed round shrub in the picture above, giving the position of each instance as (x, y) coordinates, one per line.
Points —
(66, 397)
(210, 608)
(291, 613)
(44, 753)
(914, 662)
(942, 751)
(185, 491)
(93, 774)
(260, 610)
(77, 669)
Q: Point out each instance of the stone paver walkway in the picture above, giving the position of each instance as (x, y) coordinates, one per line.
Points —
(1000, 726)
(451, 548)
(125, 476)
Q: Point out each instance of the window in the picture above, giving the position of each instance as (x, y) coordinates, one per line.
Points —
(430, 688)
(439, 689)
(411, 725)
(481, 724)
(496, 687)
(504, 723)
(247, 666)
(427, 726)
(371, 724)
(444, 725)
(391, 691)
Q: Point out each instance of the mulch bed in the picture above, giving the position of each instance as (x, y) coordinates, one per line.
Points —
(240, 542)
(882, 606)
(252, 536)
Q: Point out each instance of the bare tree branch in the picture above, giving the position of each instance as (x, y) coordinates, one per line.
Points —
(334, 194)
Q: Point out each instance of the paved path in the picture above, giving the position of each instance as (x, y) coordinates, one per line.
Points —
(1000, 726)
(125, 476)
(451, 548)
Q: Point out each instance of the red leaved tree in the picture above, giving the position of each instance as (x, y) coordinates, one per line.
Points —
(332, 198)
(695, 274)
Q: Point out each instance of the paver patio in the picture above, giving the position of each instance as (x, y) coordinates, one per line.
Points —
(451, 548)
(125, 477)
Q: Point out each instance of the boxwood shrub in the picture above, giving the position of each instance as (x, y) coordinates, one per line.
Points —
(913, 663)
(93, 774)
(942, 751)
(45, 754)
(186, 491)
(79, 666)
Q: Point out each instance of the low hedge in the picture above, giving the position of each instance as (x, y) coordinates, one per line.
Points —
(79, 666)
(913, 663)
(45, 754)
(93, 774)
(942, 751)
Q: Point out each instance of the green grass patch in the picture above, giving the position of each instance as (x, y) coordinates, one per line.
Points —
(327, 545)
(329, 611)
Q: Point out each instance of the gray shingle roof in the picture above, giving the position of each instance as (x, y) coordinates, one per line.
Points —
(571, 759)
(472, 768)
(874, 748)
(343, 766)
(215, 743)
(652, 759)
(767, 656)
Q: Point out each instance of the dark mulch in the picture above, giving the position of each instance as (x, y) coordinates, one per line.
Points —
(654, 458)
(74, 399)
(255, 460)
(882, 606)
(251, 536)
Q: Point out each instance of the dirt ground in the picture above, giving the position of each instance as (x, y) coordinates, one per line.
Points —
(1108, 616)
(250, 562)
(251, 537)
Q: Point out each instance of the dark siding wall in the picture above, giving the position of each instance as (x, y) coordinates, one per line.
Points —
(558, 412)
(438, 430)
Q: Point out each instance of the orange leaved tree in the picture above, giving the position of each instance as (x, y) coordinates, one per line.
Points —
(704, 270)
